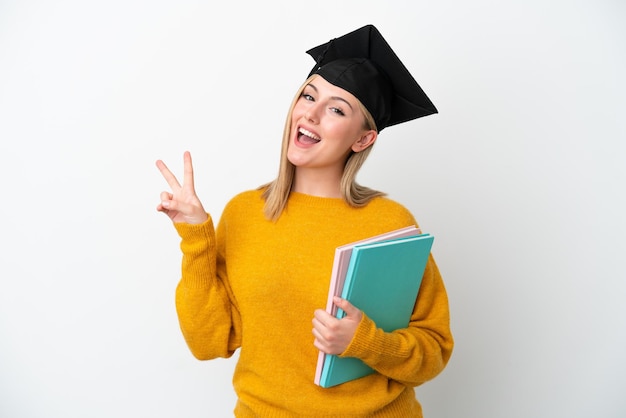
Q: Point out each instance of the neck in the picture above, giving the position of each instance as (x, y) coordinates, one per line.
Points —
(314, 182)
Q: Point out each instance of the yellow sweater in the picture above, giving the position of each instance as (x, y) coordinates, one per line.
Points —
(254, 284)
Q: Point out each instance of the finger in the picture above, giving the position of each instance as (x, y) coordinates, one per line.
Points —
(188, 182)
(167, 174)
(347, 307)
(160, 208)
(320, 343)
(319, 325)
(320, 338)
(320, 346)
(188, 211)
(322, 317)
(166, 196)
(317, 334)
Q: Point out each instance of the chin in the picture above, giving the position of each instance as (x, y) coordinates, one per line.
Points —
(294, 161)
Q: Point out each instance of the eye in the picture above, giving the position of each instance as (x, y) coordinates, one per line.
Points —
(337, 111)
(307, 97)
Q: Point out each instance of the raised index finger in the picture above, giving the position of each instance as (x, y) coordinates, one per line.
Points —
(167, 174)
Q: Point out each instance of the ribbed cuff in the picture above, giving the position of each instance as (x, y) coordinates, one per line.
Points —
(367, 342)
(194, 232)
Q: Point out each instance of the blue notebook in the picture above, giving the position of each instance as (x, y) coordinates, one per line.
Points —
(383, 280)
(338, 276)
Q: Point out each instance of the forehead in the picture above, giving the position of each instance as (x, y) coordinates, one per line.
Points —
(323, 87)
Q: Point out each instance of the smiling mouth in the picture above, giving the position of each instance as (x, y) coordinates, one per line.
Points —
(307, 137)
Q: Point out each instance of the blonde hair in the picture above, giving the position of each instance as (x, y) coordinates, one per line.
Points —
(276, 193)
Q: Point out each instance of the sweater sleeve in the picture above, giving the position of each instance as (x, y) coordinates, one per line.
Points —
(208, 317)
(415, 354)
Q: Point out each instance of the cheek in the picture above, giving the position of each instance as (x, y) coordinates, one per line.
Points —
(298, 111)
(345, 135)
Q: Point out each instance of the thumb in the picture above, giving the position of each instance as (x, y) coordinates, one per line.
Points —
(350, 310)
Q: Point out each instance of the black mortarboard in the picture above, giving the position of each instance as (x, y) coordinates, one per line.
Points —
(364, 64)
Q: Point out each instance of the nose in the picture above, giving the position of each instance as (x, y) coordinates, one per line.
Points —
(312, 113)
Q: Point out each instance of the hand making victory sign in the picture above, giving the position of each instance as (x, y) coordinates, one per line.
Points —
(182, 204)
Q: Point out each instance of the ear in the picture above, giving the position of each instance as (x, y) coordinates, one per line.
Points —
(366, 140)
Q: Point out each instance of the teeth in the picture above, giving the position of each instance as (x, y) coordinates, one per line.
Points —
(309, 134)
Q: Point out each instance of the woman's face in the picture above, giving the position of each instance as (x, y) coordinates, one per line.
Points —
(326, 125)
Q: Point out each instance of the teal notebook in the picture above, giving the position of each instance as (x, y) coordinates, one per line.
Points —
(383, 280)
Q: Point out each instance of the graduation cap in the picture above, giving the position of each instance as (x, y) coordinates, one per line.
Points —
(364, 64)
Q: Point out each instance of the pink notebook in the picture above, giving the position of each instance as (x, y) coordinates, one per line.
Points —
(340, 266)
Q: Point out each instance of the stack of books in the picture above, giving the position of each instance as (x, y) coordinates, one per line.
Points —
(381, 276)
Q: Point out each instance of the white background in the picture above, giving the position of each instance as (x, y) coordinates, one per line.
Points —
(521, 177)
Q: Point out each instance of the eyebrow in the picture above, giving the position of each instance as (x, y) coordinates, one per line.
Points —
(341, 99)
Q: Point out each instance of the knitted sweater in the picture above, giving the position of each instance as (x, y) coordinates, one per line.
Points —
(254, 285)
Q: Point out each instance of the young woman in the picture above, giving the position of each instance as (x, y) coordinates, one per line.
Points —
(259, 282)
